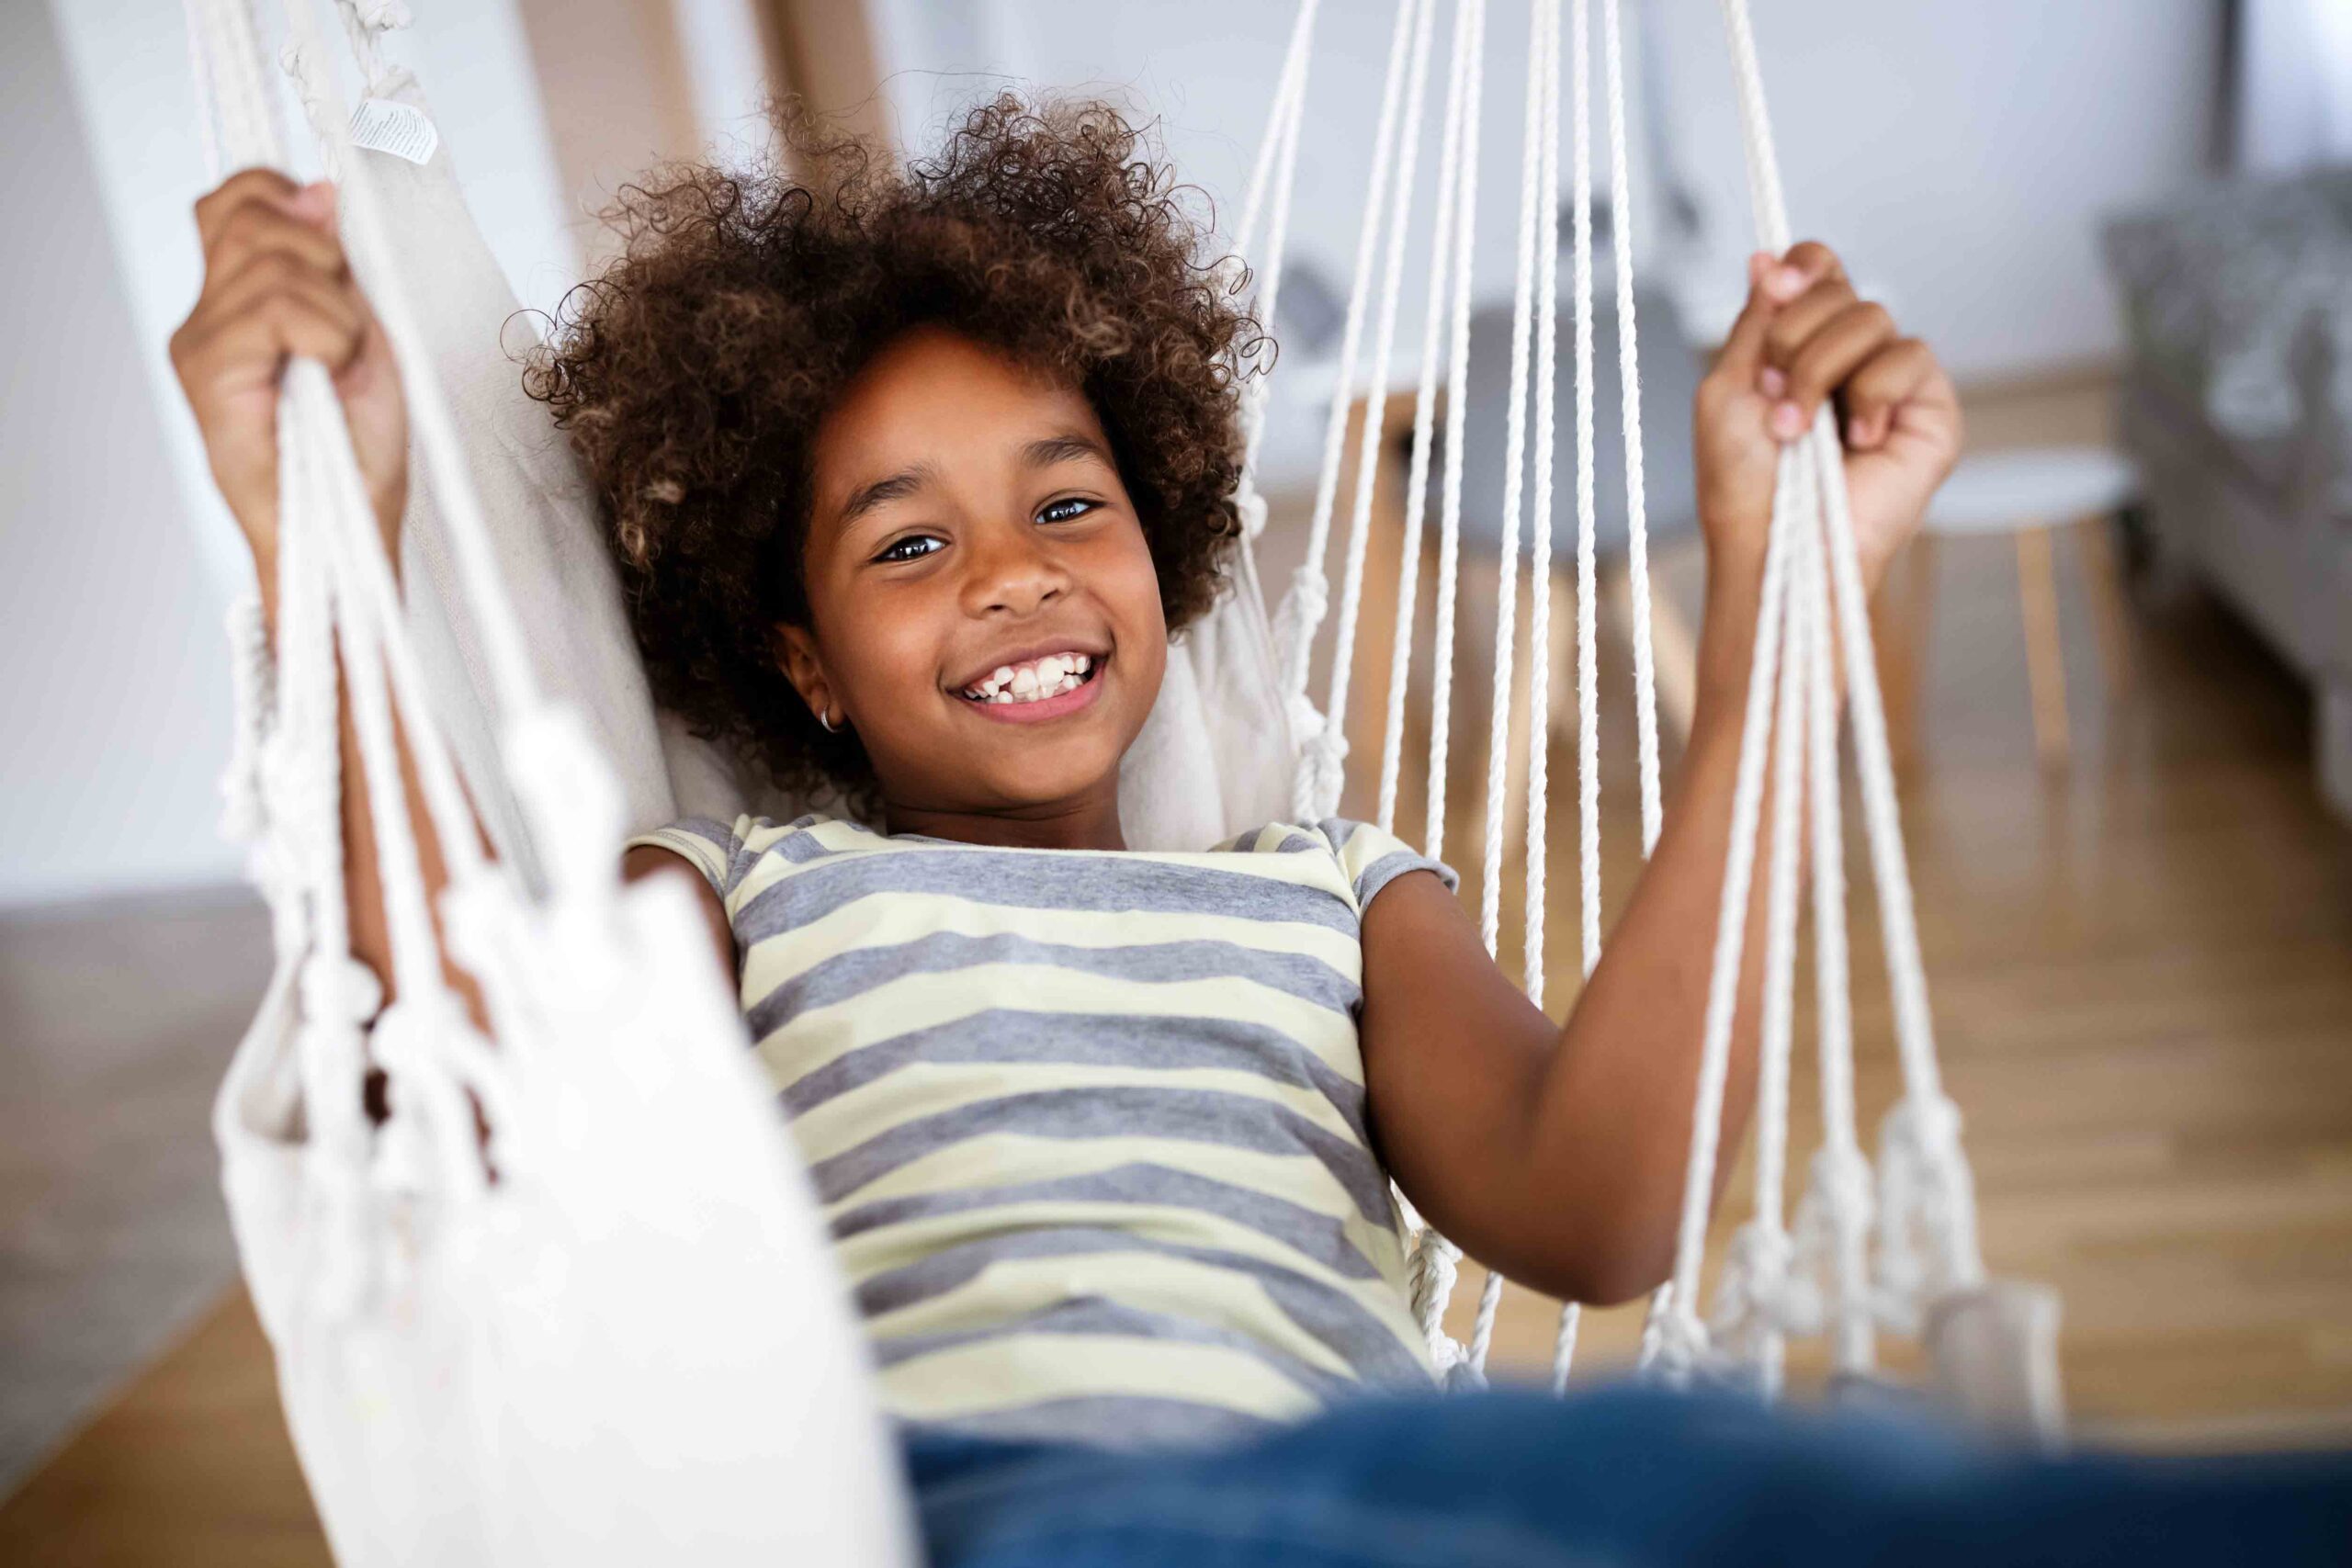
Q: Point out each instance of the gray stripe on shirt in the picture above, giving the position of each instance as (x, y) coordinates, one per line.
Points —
(1329, 1315)
(1191, 1115)
(846, 975)
(1310, 1235)
(1083, 1039)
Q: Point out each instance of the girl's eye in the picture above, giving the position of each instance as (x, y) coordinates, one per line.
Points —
(914, 547)
(1068, 510)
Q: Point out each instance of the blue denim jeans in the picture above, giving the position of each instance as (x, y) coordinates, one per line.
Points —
(1619, 1477)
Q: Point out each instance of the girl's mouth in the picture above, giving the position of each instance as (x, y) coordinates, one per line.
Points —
(1038, 689)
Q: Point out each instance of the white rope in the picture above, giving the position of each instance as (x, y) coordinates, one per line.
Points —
(208, 107)
(1756, 1282)
(1304, 605)
(1289, 87)
(368, 595)
(1539, 576)
(1457, 412)
(1433, 1268)
(1442, 248)
(1926, 1193)
(335, 586)
(1629, 382)
(1914, 1026)
(1731, 930)
(1588, 594)
(1835, 1217)
(1534, 198)
(408, 923)
(234, 97)
(288, 739)
(1538, 631)
(1278, 151)
(571, 832)
(1950, 1194)
(1530, 199)
(1564, 1345)
(307, 809)
(1332, 750)
(1481, 1325)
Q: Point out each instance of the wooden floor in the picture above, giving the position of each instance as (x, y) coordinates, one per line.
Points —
(2141, 967)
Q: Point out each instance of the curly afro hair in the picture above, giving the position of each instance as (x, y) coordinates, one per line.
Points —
(692, 373)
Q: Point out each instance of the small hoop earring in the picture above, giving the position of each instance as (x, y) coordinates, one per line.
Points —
(825, 719)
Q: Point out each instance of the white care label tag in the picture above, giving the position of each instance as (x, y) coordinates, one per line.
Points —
(382, 125)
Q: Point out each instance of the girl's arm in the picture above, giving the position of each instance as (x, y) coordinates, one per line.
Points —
(1557, 1155)
(276, 284)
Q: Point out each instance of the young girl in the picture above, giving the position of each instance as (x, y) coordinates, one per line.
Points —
(911, 475)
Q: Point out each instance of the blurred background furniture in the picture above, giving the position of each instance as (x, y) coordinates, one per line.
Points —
(1671, 372)
(2236, 400)
(2031, 494)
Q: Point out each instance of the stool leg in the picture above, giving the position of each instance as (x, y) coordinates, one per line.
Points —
(2044, 654)
(2110, 613)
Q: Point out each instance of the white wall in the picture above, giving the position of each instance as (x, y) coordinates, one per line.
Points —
(113, 683)
(122, 560)
(2293, 94)
(1960, 153)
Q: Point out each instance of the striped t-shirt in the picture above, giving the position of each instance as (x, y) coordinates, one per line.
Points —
(1088, 1125)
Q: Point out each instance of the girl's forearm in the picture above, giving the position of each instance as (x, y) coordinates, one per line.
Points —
(1611, 1125)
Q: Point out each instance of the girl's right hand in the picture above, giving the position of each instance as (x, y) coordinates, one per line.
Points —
(276, 285)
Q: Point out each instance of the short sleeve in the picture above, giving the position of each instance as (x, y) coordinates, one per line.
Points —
(1371, 859)
(710, 845)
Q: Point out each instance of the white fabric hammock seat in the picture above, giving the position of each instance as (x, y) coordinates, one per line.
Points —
(632, 1338)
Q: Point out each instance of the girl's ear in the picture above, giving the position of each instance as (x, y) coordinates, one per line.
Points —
(795, 655)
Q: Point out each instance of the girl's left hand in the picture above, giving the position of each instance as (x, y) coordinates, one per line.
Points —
(1805, 337)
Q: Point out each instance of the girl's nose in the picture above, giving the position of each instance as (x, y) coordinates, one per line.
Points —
(1013, 574)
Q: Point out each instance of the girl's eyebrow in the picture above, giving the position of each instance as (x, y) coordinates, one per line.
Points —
(1048, 450)
(898, 486)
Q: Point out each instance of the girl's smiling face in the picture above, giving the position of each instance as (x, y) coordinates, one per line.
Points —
(967, 517)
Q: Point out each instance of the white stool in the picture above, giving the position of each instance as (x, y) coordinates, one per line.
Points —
(2028, 494)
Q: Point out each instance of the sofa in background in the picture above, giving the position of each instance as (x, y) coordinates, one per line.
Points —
(2238, 406)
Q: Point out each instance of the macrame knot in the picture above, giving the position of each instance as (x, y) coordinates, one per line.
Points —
(1250, 508)
(1323, 772)
(1839, 1188)
(1929, 1126)
(1429, 1277)
(1674, 1344)
(1761, 1294)
(1462, 1375)
(1835, 1207)
(381, 16)
(338, 987)
(1295, 618)
(1923, 1204)
(1312, 595)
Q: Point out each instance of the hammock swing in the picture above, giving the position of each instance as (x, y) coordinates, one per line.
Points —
(615, 1329)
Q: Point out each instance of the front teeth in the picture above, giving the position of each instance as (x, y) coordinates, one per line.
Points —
(1033, 681)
